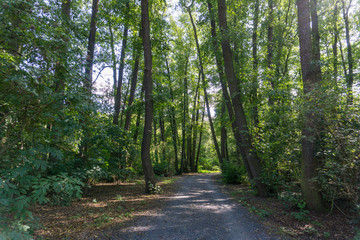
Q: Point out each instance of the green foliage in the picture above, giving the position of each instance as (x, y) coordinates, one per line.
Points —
(57, 190)
(154, 189)
(234, 174)
(161, 169)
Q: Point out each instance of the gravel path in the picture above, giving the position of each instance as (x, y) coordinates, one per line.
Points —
(198, 210)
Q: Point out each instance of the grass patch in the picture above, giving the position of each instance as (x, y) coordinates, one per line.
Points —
(208, 171)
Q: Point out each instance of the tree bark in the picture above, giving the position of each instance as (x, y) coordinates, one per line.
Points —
(224, 88)
(350, 75)
(183, 167)
(309, 161)
(205, 92)
(121, 70)
(247, 149)
(255, 84)
(134, 76)
(173, 120)
(91, 47)
(148, 86)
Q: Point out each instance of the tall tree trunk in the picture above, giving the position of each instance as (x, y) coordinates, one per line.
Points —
(134, 76)
(148, 86)
(309, 161)
(88, 78)
(91, 47)
(137, 123)
(195, 131)
(173, 120)
(121, 70)
(199, 145)
(205, 92)
(335, 48)
(224, 151)
(224, 88)
(113, 55)
(350, 75)
(155, 143)
(184, 125)
(247, 149)
(270, 47)
(162, 138)
(255, 84)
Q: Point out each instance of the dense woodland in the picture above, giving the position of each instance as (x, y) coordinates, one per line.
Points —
(267, 91)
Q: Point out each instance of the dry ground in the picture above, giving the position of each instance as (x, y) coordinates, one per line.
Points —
(103, 206)
(281, 218)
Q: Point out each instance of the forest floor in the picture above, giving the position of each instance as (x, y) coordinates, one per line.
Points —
(103, 206)
(194, 206)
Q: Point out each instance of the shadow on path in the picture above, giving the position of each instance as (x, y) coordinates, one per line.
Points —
(198, 210)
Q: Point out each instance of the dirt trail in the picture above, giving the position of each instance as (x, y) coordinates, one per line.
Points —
(198, 210)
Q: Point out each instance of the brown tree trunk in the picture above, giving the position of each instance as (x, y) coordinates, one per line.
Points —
(88, 78)
(113, 55)
(350, 75)
(121, 70)
(224, 152)
(199, 145)
(335, 48)
(205, 92)
(134, 76)
(270, 47)
(162, 138)
(255, 84)
(183, 167)
(137, 124)
(91, 47)
(173, 120)
(247, 149)
(148, 86)
(309, 161)
(225, 90)
(155, 143)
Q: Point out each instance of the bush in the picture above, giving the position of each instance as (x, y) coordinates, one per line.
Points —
(57, 190)
(234, 174)
(161, 169)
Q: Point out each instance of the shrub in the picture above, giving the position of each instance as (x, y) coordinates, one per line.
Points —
(57, 190)
(161, 169)
(234, 174)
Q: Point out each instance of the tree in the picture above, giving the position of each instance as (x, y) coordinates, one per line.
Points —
(146, 142)
(248, 151)
(311, 80)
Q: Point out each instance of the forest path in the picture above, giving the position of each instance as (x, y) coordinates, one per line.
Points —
(197, 210)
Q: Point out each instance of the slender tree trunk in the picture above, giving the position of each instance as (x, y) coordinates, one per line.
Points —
(185, 114)
(121, 70)
(270, 47)
(255, 84)
(199, 145)
(137, 124)
(134, 76)
(224, 151)
(91, 47)
(173, 120)
(195, 131)
(113, 55)
(247, 149)
(155, 143)
(335, 48)
(224, 88)
(148, 86)
(162, 138)
(88, 78)
(205, 92)
(350, 75)
(309, 161)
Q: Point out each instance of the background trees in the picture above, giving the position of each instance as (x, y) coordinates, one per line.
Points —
(279, 97)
